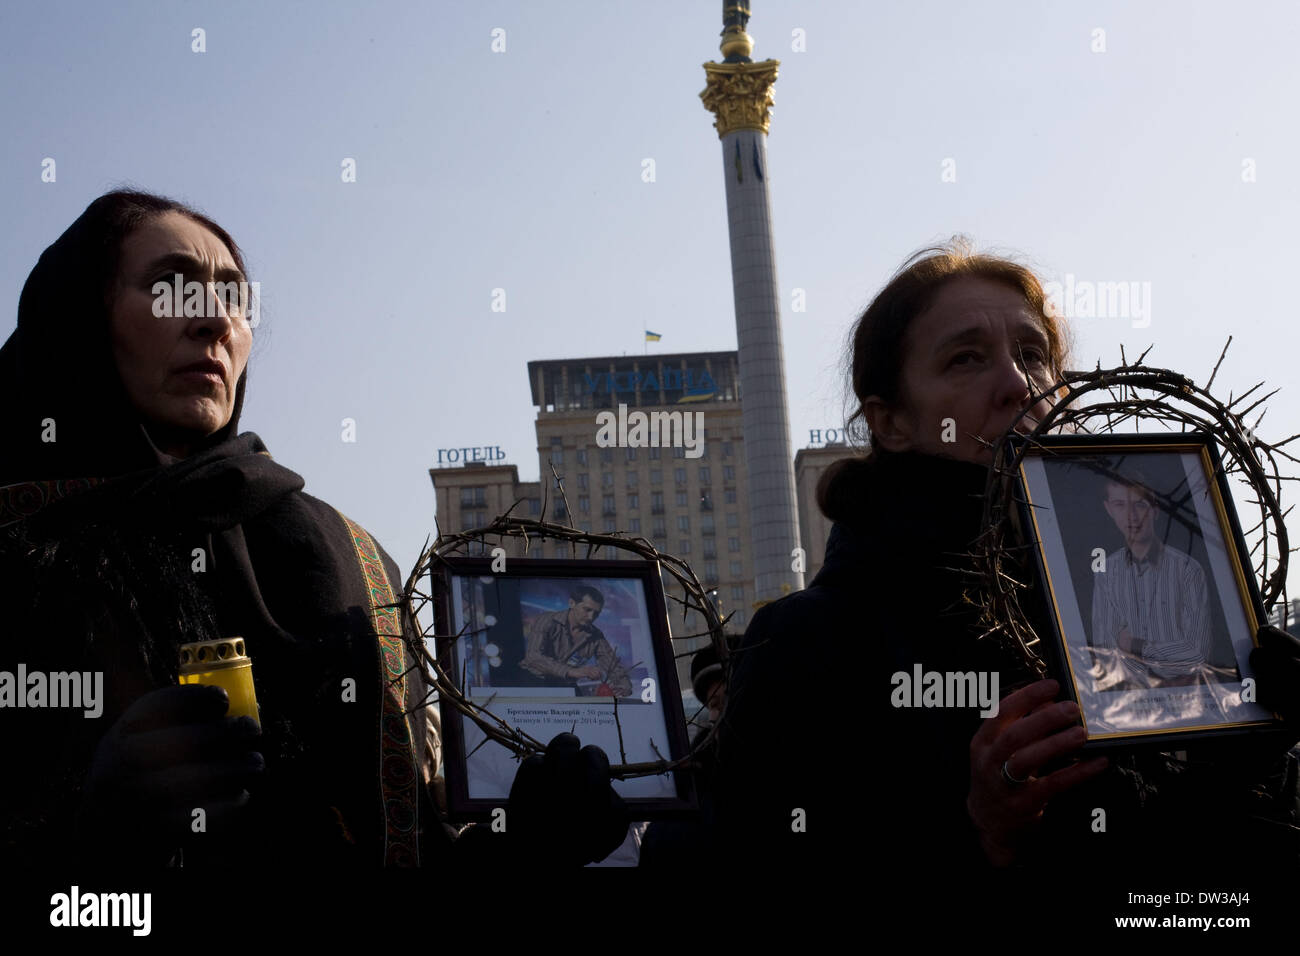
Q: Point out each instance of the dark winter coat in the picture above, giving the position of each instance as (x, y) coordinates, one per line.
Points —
(809, 724)
(112, 554)
(223, 543)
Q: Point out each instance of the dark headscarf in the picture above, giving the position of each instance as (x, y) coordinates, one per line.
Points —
(112, 553)
(58, 364)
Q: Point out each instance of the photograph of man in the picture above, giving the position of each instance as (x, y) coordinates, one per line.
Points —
(1150, 606)
(562, 643)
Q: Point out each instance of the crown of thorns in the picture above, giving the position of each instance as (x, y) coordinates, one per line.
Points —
(1138, 396)
(451, 692)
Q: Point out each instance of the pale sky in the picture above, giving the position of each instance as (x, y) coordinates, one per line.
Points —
(1161, 159)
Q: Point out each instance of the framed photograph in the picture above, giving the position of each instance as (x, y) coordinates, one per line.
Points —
(551, 646)
(1149, 586)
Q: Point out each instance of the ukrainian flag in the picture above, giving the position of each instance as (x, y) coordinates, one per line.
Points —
(652, 336)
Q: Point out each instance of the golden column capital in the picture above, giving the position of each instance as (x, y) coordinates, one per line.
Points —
(740, 95)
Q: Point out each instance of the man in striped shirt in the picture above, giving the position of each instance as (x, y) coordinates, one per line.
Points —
(1152, 601)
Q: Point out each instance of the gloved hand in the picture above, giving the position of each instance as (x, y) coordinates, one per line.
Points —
(563, 811)
(1276, 662)
(171, 752)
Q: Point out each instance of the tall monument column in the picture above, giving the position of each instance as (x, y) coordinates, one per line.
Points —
(739, 94)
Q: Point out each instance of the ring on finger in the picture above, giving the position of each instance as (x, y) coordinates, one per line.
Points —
(1011, 781)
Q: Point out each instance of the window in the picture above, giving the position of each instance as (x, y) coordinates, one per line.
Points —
(606, 456)
(683, 523)
(657, 502)
(609, 526)
(469, 497)
(561, 551)
(704, 475)
(726, 451)
(660, 528)
(728, 472)
(710, 549)
(584, 503)
(558, 510)
(582, 480)
(582, 457)
(734, 567)
(706, 524)
(738, 592)
(607, 504)
(654, 454)
(733, 544)
(684, 546)
(557, 455)
(729, 496)
(534, 506)
(607, 479)
(537, 552)
(679, 475)
(738, 619)
(634, 525)
(656, 476)
(706, 503)
(733, 520)
(679, 452)
(631, 454)
(633, 502)
(711, 571)
(681, 499)
(631, 479)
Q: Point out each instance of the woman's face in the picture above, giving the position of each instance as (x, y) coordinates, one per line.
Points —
(178, 407)
(964, 373)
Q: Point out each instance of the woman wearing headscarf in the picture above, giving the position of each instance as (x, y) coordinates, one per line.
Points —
(134, 518)
(821, 759)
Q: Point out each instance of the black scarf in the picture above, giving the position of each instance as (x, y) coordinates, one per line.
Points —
(112, 554)
(58, 378)
(110, 582)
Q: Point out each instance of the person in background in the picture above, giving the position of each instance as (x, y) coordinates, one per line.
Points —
(709, 681)
(670, 844)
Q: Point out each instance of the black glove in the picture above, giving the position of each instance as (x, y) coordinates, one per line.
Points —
(1276, 662)
(171, 752)
(563, 811)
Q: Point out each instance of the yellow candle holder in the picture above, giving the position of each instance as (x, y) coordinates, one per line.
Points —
(222, 663)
